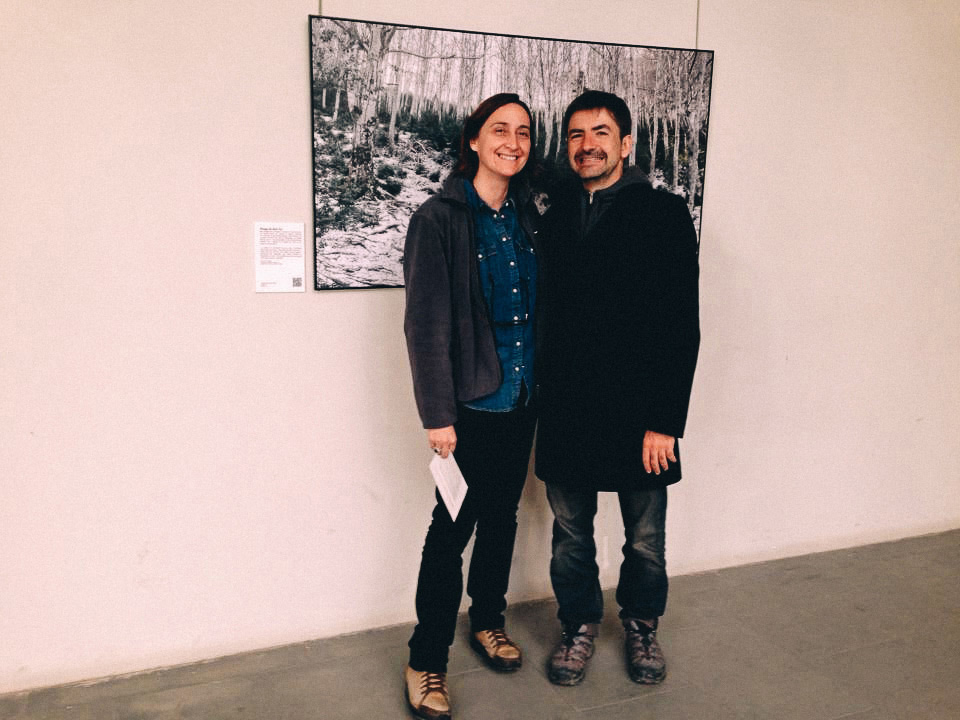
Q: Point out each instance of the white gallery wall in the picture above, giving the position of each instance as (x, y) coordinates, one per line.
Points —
(190, 469)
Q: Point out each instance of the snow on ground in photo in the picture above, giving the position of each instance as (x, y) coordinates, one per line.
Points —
(371, 255)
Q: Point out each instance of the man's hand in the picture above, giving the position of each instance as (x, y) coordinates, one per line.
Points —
(657, 450)
(443, 440)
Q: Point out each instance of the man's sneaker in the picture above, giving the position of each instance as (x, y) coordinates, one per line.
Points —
(569, 661)
(498, 650)
(427, 694)
(645, 661)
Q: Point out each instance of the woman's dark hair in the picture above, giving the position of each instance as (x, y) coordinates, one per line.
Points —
(468, 162)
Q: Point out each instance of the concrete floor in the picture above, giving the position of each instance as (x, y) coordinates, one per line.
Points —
(868, 633)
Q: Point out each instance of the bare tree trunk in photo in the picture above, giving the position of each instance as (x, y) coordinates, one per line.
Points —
(546, 63)
(369, 86)
(676, 153)
(364, 129)
(548, 129)
(351, 96)
(397, 97)
(463, 74)
(695, 117)
(442, 81)
(420, 74)
(469, 51)
(536, 83)
(677, 100)
(481, 88)
(561, 139)
(662, 106)
(509, 64)
(665, 122)
(653, 138)
(336, 104)
(693, 167)
(400, 75)
(555, 61)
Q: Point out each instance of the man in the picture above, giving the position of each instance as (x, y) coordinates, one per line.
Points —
(619, 347)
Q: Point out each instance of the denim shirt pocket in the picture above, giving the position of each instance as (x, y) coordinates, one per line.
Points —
(486, 269)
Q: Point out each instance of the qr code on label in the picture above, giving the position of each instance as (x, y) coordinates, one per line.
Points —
(298, 282)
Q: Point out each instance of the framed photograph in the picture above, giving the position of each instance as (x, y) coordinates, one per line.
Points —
(388, 102)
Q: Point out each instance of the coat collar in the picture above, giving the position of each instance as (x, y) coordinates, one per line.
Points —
(452, 190)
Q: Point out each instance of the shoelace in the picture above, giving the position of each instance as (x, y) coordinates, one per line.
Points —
(499, 639)
(574, 643)
(642, 641)
(433, 682)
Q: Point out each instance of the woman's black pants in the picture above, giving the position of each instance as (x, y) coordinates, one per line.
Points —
(493, 450)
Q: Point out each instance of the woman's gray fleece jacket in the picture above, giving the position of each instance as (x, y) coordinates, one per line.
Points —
(450, 339)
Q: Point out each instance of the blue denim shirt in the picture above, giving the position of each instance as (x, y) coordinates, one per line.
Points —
(508, 275)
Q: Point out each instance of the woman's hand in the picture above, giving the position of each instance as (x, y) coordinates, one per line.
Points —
(443, 440)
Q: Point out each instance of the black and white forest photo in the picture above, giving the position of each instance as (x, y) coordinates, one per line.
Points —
(388, 103)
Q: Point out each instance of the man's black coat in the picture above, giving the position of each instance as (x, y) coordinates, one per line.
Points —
(621, 333)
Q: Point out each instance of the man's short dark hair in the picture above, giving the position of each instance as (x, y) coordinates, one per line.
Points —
(597, 99)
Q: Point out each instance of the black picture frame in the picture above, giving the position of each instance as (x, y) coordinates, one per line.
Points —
(387, 101)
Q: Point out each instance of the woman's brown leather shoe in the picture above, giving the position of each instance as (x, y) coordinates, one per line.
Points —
(427, 694)
(498, 650)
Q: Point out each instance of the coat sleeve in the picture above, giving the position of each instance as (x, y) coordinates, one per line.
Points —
(676, 320)
(427, 322)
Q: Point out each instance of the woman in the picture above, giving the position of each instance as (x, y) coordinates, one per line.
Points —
(471, 274)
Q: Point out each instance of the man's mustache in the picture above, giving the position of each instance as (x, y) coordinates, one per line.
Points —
(583, 154)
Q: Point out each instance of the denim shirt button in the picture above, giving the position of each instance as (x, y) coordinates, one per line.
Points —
(507, 274)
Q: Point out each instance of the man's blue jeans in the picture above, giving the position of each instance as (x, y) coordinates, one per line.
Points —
(642, 590)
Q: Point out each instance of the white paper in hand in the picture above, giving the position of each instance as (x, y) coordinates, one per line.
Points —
(450, 483)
